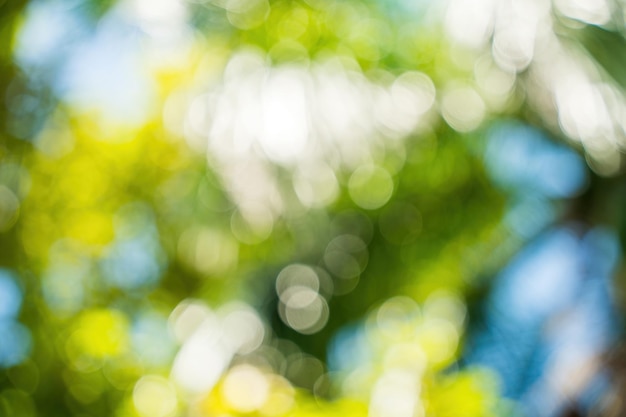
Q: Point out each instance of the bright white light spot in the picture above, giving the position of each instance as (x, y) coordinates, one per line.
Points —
(462, 108)
(494, 83)
(341, 105)
(396, 394)
(243, 328)
(296, 275)
(470, 22)
(245, 388)
(316, 185)
(254, 189)
(514, 44)
(202, 359)
(582, 111)
(304, 311)
(606, 161)
(411, 95)
(155, 13)
(187, 318)
(242, 64)
(284, 113)
(155, 396)
(314, 118)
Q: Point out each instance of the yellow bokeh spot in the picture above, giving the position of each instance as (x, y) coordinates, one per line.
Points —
(100, 333)
(90, 227)
(473, 393)
(281, 397)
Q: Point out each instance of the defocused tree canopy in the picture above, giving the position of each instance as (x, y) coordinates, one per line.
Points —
(311, 208)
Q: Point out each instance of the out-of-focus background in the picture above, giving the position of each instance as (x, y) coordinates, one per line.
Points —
(383, 208)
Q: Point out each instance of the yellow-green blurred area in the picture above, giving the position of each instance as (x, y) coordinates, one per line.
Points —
(311, 208)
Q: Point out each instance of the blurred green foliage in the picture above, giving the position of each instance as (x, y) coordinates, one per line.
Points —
(114, 228)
